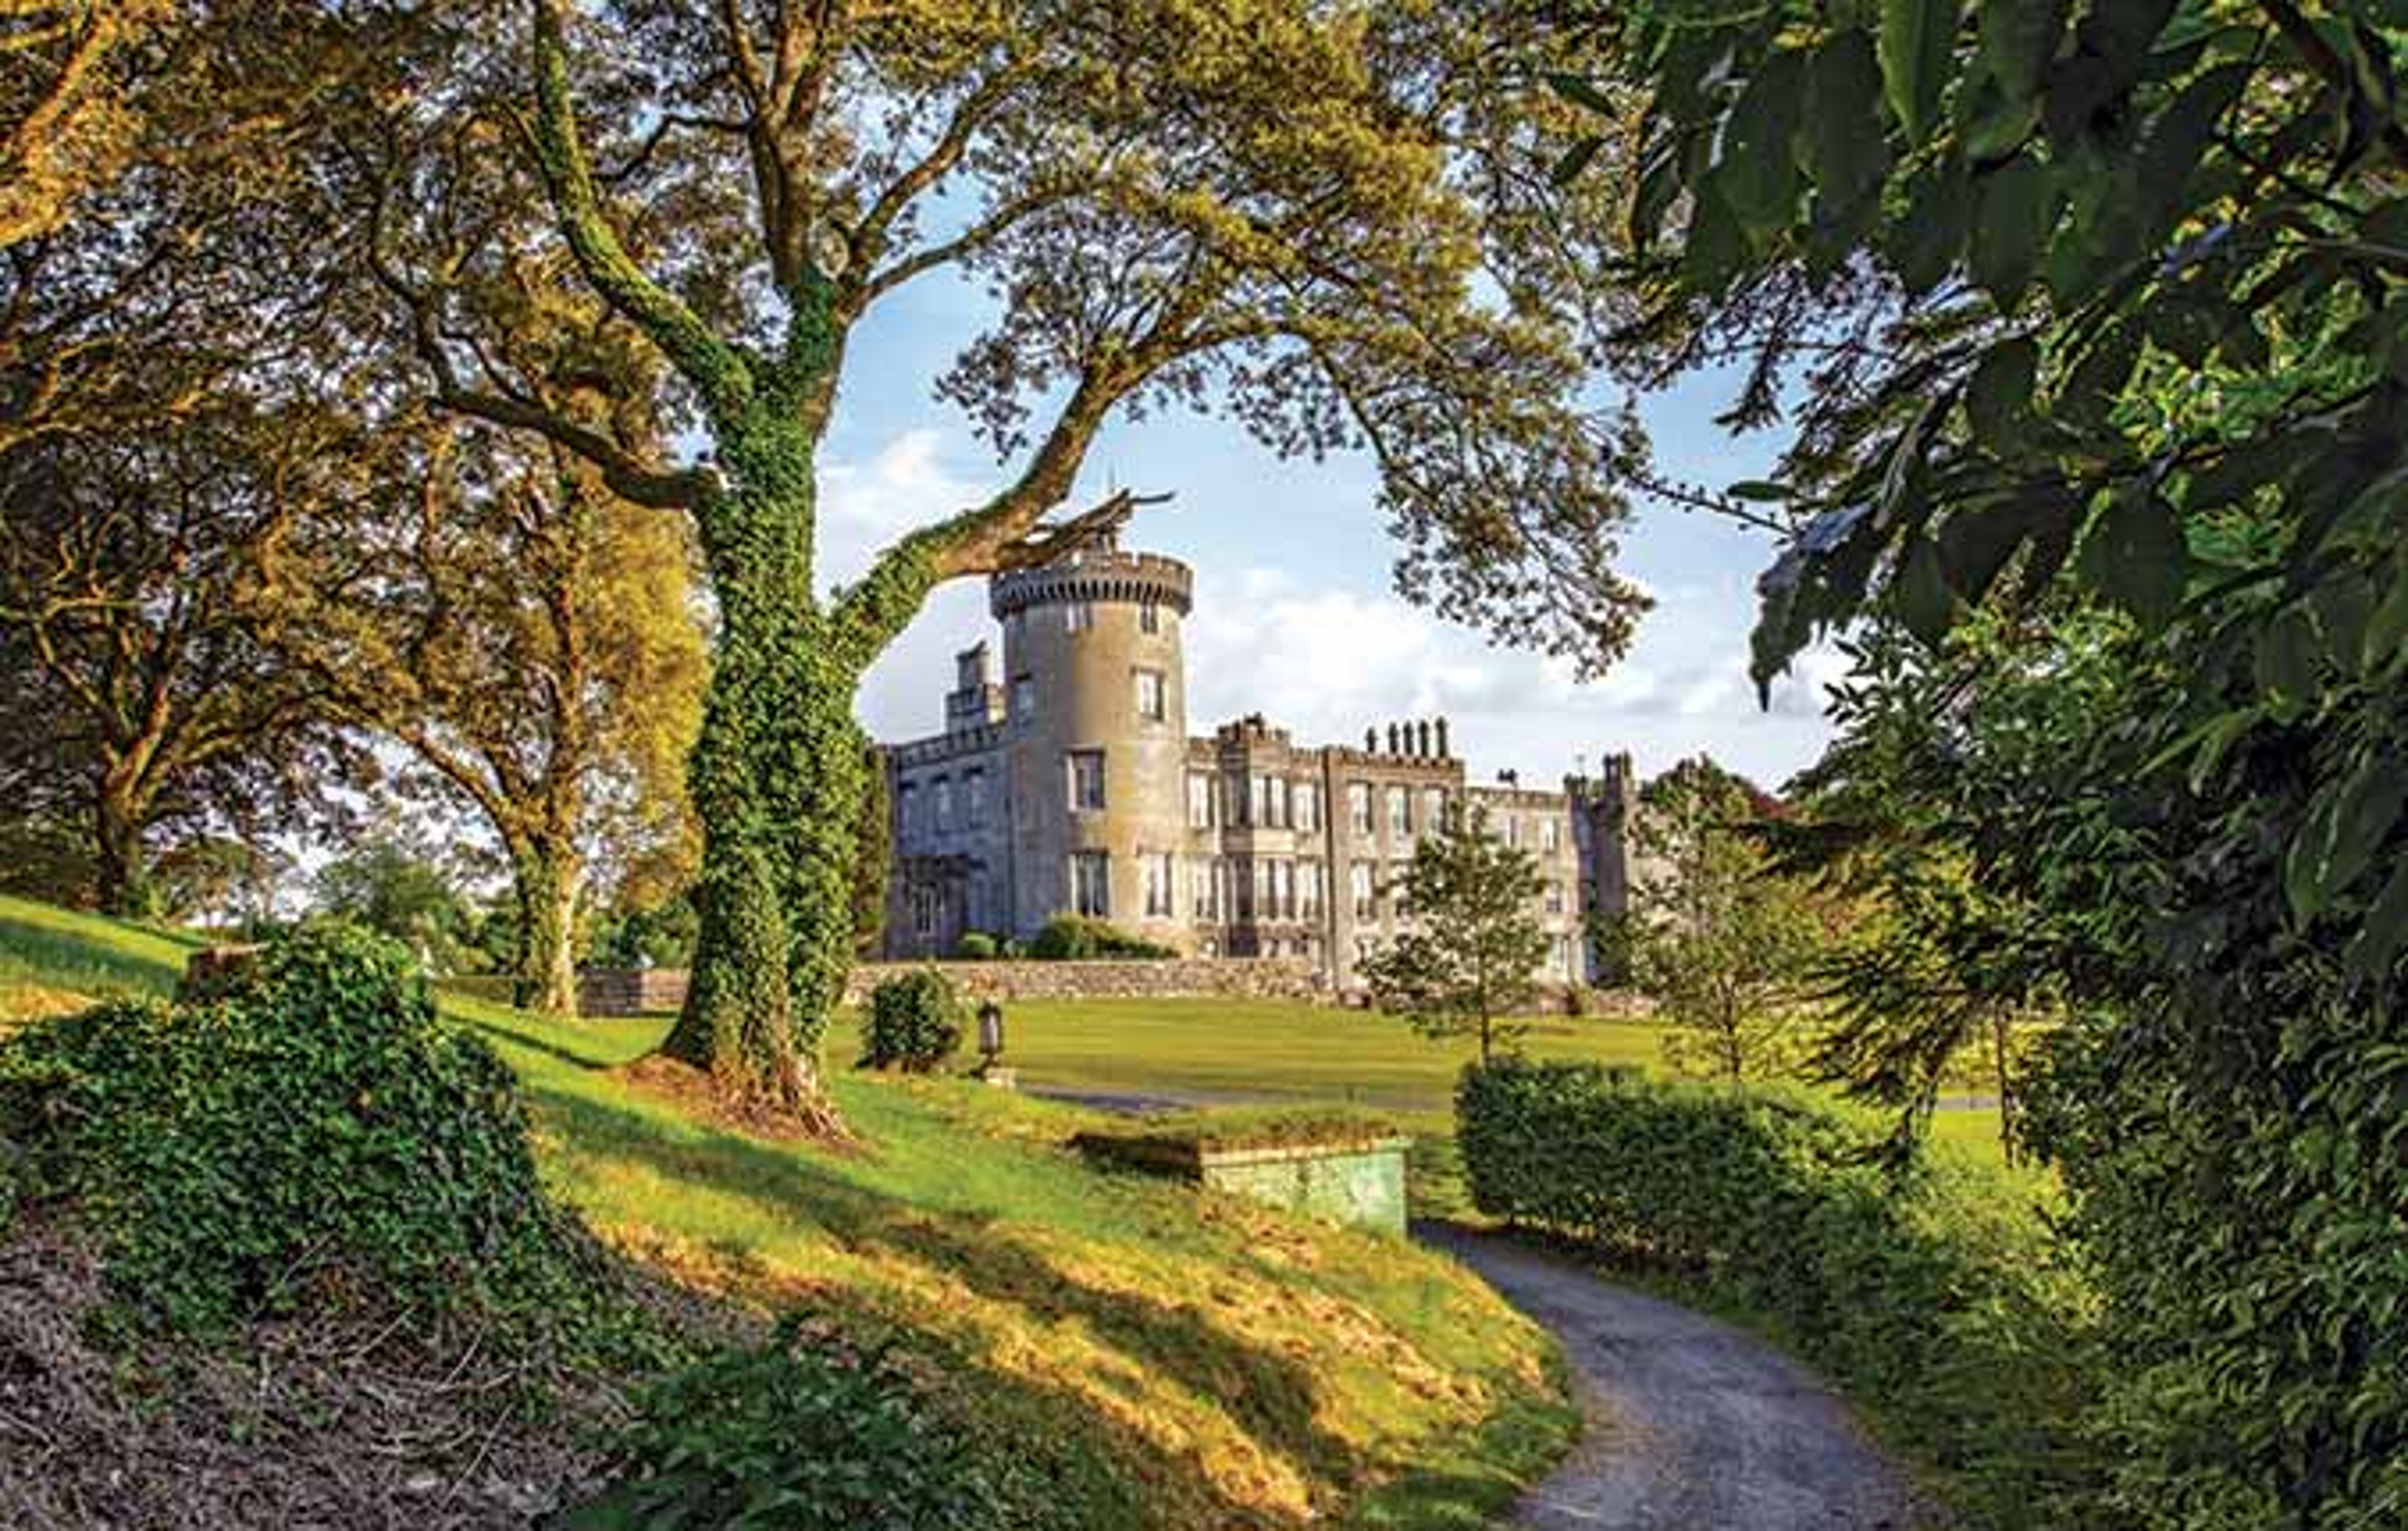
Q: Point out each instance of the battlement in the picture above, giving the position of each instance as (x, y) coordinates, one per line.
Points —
(1096, 575)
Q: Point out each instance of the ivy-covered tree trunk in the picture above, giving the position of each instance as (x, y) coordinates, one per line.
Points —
(777, 776)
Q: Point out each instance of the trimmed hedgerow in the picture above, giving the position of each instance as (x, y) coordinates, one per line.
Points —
(1933, 1291)
(1072, 938)
(914, 1024)
(301, 1127)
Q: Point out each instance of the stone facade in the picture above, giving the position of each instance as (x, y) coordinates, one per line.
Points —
(630, 991)
(1066, 782)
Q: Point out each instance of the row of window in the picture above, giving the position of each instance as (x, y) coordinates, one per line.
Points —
(1151, 695)
(943, 803)
(1079, 616)
(1277, 888)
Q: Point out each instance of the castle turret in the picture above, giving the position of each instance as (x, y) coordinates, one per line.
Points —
(1096, 736)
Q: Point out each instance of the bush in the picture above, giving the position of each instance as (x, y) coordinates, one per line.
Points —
(1071, 937)
(809, 1433)
(301, 1126)
(1934, 1292)
(976, 946)
(914, 1026)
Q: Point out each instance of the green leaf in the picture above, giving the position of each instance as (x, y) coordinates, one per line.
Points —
(1976, 541)
(1923, 604)
(1580, 91)
(1575, 159)
(1918, 43)
(1923, 242)
(1757, 171)
(2368, 805)
(2017, 39)
(1841, 140)
(1715, 246)
(2382, 935)
(2136, 557)
(2017, 204)
(1999, 394)
(2386, 627)
(2287, 657)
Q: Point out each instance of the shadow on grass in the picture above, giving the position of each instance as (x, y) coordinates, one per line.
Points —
(72, 960)
(1272, 1396)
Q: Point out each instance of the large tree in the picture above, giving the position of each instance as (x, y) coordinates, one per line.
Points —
(532, 639)
(2102, 310)
(143, 696)
(1171, 201)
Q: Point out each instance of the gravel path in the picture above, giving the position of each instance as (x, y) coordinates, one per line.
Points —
(1694, 1425)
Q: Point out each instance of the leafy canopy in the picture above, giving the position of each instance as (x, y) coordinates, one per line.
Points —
(1472, 944)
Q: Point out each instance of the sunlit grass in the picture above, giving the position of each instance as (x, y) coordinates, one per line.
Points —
(1211, 1362)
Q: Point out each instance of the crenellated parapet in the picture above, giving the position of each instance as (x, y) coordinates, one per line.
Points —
(1132, 577)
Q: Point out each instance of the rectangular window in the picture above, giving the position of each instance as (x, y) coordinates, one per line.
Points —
(1308, 806)
(1091, 884)
(1433, 810)
(1078, 616)
(1401, 813)
(1309, 891)
(1283, 888)
(1551, 835)
(974, 798)
(1555, 898)
(1086, 773)
(1361, 880)
(924, 912)
(1270, 801)
(1561, 958)
(1203, 889)
(1151, 702)
(1265, 893)
(1160, 875)
(1358, 806)
(1149, 617)
(942, 791)
(907, 810)
(1199, 802)
(1233, 800)
(1024, 698)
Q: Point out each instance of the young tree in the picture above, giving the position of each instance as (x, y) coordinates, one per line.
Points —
(1166, 198)
(1723, 943)
(1468, 957)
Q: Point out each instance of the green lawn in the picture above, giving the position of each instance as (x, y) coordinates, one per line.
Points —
(1202, 1363)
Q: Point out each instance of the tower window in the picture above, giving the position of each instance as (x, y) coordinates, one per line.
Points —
(1149, 617)
(974, 797)
(1024, 698)
(1078, 616)
(1152, 696)
(1086, 774)
(1091, 884)
(943, 793)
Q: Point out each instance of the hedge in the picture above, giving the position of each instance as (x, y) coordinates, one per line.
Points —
(1933, 1293)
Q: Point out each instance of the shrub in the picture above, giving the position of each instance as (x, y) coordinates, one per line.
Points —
(299, 1125)
(1071, 937)
(808, 1433)
(976, 946)
(1934, 1292)
(915, 1023)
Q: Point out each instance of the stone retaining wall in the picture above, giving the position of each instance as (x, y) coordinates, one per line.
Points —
(623, 991)
(1199, 978)
(661, 990)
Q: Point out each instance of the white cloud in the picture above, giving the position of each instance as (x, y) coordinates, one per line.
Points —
(864, 505)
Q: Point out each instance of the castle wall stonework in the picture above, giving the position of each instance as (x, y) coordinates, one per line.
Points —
(1191, 978)
(1091, 797)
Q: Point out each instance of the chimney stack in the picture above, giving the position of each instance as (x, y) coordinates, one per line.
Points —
(1422, 737)
(1442, 739)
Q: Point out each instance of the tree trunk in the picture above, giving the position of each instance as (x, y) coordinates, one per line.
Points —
(122, 873)
(777, 777)
(549, 882)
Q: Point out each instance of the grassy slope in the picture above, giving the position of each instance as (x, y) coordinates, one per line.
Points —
(1214, 1366)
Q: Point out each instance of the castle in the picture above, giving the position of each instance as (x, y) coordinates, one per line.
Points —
(1066, 782)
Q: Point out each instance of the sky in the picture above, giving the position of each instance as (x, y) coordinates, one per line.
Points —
(1294, 616)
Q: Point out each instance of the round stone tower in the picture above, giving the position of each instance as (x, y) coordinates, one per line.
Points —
(1096, 734)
